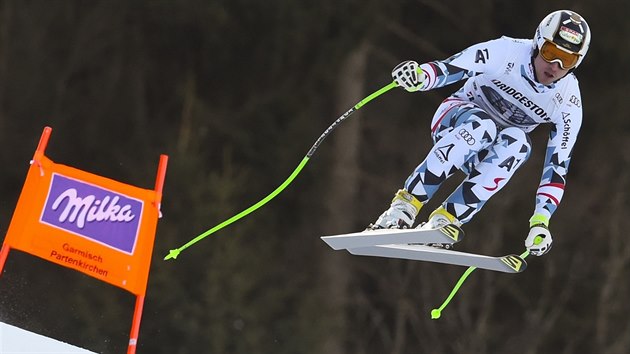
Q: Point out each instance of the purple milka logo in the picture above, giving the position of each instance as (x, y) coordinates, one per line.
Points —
(93, 212)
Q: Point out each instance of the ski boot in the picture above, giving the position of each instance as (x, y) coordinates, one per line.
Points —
(440, 217)
(401, 214)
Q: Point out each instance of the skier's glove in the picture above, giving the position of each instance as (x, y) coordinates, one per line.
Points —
(538, 241)
(409, 76)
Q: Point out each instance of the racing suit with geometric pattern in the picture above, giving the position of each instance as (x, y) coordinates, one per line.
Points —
(482, 128)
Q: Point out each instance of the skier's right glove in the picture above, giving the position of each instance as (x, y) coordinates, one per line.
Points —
(409, 76)
(538, 241)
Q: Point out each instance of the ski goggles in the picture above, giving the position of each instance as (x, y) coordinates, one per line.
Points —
(551, 53)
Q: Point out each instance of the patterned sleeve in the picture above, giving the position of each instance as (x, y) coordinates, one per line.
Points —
(480, 58)
(562, 138)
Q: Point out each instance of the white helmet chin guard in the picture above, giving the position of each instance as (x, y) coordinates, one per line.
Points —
(567, 30)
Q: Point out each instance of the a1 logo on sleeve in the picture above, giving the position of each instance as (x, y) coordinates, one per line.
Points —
(92, 212)
(482, 55)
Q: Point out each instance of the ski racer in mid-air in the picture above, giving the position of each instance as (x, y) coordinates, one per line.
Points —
(512, 86)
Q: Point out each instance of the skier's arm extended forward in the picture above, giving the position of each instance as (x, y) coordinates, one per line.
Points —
(480, 58)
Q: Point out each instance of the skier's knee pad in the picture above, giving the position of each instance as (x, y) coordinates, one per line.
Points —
(481, 127)
(490, 128)
(475, 122)
(516, 134)
(519, 143)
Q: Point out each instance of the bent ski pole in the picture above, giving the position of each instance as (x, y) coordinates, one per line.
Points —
(436, 313)
(175, 252)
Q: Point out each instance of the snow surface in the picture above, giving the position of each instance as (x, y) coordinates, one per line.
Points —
(14, 340)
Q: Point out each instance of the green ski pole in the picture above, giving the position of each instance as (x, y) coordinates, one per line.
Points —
(175, 252)
(436, 313)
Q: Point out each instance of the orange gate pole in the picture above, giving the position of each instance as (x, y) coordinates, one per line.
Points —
(137, 314)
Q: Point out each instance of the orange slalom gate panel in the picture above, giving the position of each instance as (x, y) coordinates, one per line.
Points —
(95, 225)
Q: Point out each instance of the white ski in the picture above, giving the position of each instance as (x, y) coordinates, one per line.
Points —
(506, 264)
(448, 234)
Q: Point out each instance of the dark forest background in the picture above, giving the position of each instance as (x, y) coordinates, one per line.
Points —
(235, 93)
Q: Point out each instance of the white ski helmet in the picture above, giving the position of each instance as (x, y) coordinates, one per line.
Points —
(569, 32)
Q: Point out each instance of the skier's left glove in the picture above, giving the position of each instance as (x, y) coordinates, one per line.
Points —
(409, 76)
(538, 241)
